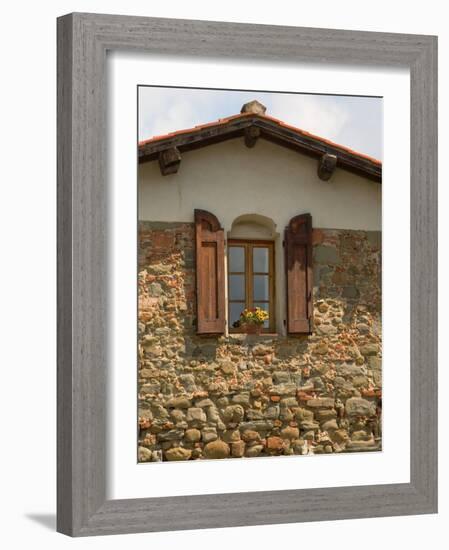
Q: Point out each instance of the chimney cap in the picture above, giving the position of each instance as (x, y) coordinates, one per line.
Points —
(254, 107)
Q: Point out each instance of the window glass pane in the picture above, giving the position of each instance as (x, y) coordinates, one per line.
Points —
(260, 259)
(266, 307)
(236, 258)
(236, 287)
(260, 287)
(234, 312)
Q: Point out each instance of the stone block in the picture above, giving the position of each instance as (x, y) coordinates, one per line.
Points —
(272, 412)
(369, 349)
(360, 381)
(250, 436)
(229, 436)
(347, 371)
(303, 414)
(178, 403)
(208, 434)
(324, 415)
(321, 403)
(196, 416)
(289, 402)
(254, 414)
(321, 348)
(357, 406)
(171, 435)
(187, 381)
(237, 449)
(155, 289)
(309, 425)
(330, 425)
(290, 433)
(283, 389)
(227, 367)
(204, 403)
(257, 425)
(298, 446)
(152, 388)
(275, 444)
(361, 435)
(326, 255)
(280, 377)
(192, 435)
(216, 450)
(145, 455)
(374, 363)
(339, 436)
(253, 451)
(241, 399)
(233, 414)
(326, 330)
(262, 350)
(362, 445)
(177, 453)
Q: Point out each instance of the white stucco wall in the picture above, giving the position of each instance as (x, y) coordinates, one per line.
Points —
(230, 180)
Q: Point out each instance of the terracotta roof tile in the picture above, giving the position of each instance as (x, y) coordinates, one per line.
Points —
(218, 122)
(226, 120)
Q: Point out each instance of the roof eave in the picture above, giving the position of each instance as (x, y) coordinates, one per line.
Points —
(271, 130)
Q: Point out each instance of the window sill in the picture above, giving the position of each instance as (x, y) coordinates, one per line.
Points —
(252, 338)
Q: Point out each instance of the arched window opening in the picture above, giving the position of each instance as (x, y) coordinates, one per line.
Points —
(251, 270)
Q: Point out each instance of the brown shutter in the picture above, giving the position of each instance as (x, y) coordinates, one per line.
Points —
(210, 283)
(299, 276)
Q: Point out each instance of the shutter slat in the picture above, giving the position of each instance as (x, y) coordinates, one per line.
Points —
(210, 284)
(299, 275)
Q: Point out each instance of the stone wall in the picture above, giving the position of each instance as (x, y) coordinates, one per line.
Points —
(248, 396)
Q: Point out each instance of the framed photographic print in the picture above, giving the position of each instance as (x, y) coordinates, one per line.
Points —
(260, 307)
(247, 274)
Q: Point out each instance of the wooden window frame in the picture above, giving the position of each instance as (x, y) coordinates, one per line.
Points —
(249, 245)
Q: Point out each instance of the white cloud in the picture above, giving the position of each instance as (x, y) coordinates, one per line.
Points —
(164, 110)
(355, 122)
(179, 114)
(318, 115)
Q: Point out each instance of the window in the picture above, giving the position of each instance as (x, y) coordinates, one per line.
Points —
(250, 280)
(251, 276)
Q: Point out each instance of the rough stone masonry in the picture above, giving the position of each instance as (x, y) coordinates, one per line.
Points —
(248, 396)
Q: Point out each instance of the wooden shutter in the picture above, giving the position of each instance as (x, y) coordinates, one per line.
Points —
(210, 283)
(299, 276)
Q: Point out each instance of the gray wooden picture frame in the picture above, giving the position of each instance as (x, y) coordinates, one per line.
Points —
(83, 40)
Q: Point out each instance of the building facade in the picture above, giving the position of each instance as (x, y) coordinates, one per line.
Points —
(250, 212)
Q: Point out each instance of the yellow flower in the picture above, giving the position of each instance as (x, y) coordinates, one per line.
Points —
(255, 315)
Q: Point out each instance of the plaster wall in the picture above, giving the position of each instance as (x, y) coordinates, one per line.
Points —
(231, 180)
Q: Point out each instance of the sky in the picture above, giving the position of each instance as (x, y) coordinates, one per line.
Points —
(355, 122)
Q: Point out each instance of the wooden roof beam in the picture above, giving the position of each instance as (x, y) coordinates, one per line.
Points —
(252, 134)
(169, 161)
(326, 166)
